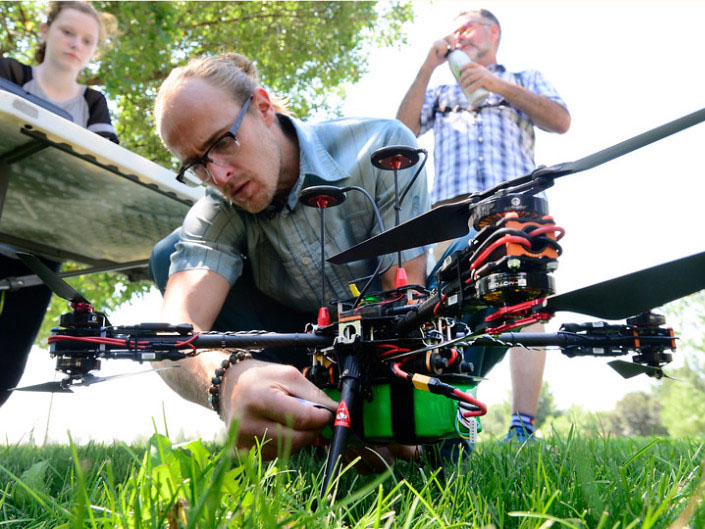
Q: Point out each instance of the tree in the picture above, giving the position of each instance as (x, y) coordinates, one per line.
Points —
(307, 52)
(498, 417)
(546, 408)
(637, 413)
(683, 402)
(578, 420)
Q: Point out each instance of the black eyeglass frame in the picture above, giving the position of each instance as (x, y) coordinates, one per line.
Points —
(204, 160)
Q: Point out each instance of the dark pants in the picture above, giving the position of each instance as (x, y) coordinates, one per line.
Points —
(21, 317)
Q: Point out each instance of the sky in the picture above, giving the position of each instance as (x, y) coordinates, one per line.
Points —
(622, 68)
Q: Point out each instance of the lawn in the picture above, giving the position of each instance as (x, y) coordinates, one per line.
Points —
(560, 482)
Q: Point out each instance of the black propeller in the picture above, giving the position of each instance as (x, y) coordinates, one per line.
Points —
(451, 221)
(64, 386)
(57, 285)
(630, 369)
(634, 293)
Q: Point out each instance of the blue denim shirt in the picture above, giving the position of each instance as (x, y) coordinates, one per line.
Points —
(284, 246)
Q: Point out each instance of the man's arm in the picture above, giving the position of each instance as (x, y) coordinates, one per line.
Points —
(415, 272)
(544, 112)
(257, 394)
(194, 296)
(409, 112)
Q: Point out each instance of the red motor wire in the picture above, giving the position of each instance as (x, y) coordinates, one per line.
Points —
(548, 229)
(499, 242)
(470, 400)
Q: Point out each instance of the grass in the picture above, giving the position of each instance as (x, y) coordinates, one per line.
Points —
(569, 482)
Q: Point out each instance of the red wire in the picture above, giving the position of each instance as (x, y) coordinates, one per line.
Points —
(398, 371)
(390, 300)
(499, 242)
(467, 398)
(391, 349)
(99, 340)
(438, 305)
(453, 356)
(548, 229)
(188, 342)
(104, 340)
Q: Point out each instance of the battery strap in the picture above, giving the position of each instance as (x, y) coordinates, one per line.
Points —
(401, 397)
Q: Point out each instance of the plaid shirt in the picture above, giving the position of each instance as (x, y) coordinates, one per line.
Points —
(480, 147)
(284, 246)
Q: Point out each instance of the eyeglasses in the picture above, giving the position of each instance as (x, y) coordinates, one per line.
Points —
(221, 152)
(469, 25)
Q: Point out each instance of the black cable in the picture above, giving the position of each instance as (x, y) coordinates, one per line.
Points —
(380, 223)
(413, 178)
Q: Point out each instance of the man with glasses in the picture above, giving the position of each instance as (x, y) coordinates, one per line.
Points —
(478, 147)
(248, 254)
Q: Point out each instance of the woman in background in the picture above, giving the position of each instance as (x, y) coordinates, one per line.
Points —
(70, 38)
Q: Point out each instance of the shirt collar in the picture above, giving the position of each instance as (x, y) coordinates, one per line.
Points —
(316, 165)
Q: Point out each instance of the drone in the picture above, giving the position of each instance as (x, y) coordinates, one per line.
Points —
(395, 358)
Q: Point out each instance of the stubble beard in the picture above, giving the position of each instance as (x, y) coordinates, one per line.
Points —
(263, 181)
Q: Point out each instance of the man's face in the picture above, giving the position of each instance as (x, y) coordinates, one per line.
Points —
(475, 36)
(196, 114)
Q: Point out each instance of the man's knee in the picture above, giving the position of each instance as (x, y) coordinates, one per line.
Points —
(160, 260)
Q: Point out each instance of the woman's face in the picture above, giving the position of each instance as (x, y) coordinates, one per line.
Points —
(71, 39)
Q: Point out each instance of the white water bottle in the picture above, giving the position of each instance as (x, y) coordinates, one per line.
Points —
(457, 59)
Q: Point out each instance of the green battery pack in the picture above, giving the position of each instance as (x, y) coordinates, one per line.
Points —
(399, 412)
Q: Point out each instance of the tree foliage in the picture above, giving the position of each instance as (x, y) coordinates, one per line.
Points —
(546, 408)
(637, 413)
(683, 401)
(306, 52)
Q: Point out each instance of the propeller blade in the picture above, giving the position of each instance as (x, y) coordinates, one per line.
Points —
(57, 285)
(64, 386)
(439, 224)
(451, 221)
(625, 147)
(634, 293)
(47, 387)
(89, 379)
(630, 369)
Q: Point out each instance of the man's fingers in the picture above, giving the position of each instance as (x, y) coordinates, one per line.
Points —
(292, 412)
(309, 392)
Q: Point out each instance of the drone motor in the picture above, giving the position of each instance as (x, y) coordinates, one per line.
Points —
(515, 250)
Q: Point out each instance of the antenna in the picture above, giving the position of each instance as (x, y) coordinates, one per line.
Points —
(394, 158)
(322, 197)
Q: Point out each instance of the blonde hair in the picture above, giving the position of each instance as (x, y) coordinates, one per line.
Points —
(107, 23)
(233, 73)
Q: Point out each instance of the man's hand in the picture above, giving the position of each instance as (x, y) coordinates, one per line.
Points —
(544, 112)
(260, 396)
(474, 76)
(439, 49)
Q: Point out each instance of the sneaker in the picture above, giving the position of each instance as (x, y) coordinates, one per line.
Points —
(520, 435)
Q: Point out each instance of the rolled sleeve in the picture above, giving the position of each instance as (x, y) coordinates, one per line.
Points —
(209, 241)
(535, 81)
